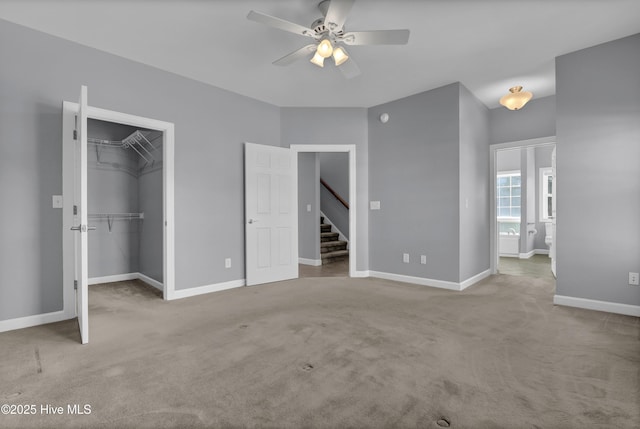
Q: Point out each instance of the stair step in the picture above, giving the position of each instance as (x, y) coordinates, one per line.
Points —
(329, 236)
(325, 227)
(330, 246)
(338, 255)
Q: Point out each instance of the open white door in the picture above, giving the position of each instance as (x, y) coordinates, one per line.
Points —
(271, 214)
(80, 227)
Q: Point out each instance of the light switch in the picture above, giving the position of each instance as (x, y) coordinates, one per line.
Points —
(309, 207)
(57, 201)
(374, 205)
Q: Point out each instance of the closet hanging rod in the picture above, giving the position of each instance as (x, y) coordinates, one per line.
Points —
(116, 215)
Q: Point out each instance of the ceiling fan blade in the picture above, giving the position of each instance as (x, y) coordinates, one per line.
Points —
(280, 24)
(337, 14)
(349, 69)
(376, 37)
(295, 55)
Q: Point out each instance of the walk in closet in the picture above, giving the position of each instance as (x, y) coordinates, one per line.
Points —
(124, 174)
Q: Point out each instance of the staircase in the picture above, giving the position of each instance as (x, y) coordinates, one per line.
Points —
(331, 248)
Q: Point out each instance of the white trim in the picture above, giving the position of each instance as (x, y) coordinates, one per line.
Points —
(432, 282)
(35, 320)
(201, 290)
(541, 251)
(527, 255)
(168, 132)
(341, 236)
(113, 278)
(312, 262)
(151, 282)
(475, 279)
(351, 150)
(362, 274)
(592, 304)
(493, 153)
(125, 277)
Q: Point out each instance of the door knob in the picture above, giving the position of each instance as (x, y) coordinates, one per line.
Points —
(83, 228)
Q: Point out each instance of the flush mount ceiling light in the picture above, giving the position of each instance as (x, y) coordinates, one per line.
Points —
(516, 99)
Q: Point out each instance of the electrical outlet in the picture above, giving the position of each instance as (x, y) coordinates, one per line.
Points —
(405, 258)
(423, 259)
(227, 263)
(634, 279)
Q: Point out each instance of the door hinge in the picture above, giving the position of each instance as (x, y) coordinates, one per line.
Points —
(75, 210)
(75, 134)
(75, 284)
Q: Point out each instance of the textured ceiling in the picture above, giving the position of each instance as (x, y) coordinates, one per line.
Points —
(489, 46)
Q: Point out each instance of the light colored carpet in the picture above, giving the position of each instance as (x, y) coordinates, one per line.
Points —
(330, 353)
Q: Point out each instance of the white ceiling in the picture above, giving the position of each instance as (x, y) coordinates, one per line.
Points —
(488, 45)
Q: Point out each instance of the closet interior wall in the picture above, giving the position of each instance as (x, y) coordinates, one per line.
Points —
(124, 203)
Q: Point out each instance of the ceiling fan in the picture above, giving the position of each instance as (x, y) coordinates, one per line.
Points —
(330, 36)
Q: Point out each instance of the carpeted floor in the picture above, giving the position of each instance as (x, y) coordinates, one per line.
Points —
(330, 353)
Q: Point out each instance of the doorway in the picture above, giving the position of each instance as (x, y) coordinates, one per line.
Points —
(124, 203)
(323, 214)
(523, 209)
(313, 266)
(75, 287)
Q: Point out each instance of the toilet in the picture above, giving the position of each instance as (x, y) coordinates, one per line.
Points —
(548, 236)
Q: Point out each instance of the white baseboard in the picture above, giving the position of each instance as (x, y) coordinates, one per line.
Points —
(526, 255)
(362, 274)
(312, 262)
(35, 320)
(541, 251)
(592, 304)
(113, 278)
(200, 290)
(431, 282)
(124, 277)
(475, 279)
(148, 280)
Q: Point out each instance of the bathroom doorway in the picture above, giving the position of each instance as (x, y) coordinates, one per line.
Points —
(523, 213)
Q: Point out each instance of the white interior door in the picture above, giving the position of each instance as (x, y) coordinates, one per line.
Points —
(271, 214)
(80, 226)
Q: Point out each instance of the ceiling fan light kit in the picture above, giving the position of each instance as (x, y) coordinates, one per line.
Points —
(329, 34)
(516, 99)
(340, 55)
(318, 60)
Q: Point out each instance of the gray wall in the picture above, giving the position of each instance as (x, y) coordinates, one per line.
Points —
(112, 190)
(334, 170)
(508, 160)
(474, 185)
(150, 198)
(309, 193)
(348, 126)
(414, 173)
(598, 150)
(211, 124)
(536, 119)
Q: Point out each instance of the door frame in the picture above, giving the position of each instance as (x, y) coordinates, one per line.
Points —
(493, 158)
(70, 110)
(351, 150)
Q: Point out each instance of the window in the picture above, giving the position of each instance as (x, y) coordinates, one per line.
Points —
(508, 202)
(546, 194)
